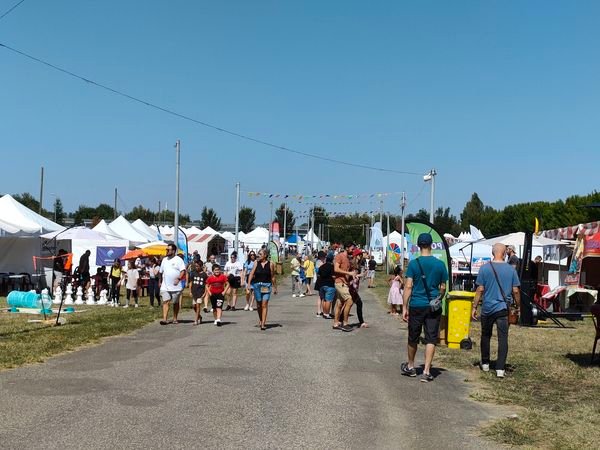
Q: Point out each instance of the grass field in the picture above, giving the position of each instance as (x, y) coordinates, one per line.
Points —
(23, 342)
(550, 380)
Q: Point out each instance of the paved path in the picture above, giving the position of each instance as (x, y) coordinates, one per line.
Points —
(299, 384)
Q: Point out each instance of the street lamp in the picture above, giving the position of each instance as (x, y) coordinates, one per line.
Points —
(431, 177)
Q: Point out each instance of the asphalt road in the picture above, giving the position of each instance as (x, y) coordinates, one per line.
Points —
(298, 384)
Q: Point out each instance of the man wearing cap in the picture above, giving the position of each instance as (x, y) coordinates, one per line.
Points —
(425, 282)
(513, 259)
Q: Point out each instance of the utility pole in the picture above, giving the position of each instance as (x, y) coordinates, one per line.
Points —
(270, 223)
(176, 221)
(402, 207)
(431, 177)
(158, 215)
(115, 207)
(237, 215)
(284, 220)
(381, 213)
(41, 191)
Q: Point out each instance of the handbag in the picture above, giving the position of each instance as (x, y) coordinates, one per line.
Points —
(436, 303)
(265, 289)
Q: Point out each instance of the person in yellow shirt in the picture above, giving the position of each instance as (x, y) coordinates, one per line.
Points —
(309, 270)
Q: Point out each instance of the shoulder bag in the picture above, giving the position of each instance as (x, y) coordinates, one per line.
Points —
(436, 303)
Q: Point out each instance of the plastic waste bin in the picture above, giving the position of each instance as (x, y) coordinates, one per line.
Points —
(459, 316)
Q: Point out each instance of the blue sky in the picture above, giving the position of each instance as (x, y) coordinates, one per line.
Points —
(501, 97)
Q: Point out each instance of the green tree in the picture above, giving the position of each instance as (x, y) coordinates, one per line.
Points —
(168, 217)
(472, 213)
(247, 218)
(348, 228)
(139, 212)
(209, 218)
(320, 218)
(422, 215)
(445, 222)
(290, 221)
(58, 213)
(84, 213)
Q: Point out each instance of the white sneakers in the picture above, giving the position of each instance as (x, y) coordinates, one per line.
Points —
(246, 308)
(302, 295)
(136, 305)
(251, 309)
(500, 373)
(485, 367)
(294, 295)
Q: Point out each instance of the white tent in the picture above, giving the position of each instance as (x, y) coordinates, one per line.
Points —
(192, 230)
(312, 238)
(125, 230)
(256, 238)
(104, 228)
(104, 248)
(228, 236)
(209, 230)
(518, 240)
(18, 220)
(474, 254)
(144, 229)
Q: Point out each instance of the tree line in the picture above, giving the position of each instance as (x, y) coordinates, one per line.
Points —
(492, 222)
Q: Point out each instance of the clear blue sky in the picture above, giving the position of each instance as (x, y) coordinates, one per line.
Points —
(501, 97)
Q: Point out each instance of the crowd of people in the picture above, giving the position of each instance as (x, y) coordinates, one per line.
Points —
(333, 275)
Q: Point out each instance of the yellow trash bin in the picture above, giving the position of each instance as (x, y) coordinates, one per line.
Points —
(459, 316)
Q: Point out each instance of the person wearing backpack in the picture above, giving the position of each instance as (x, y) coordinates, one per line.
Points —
(498, 285)
(424, 290)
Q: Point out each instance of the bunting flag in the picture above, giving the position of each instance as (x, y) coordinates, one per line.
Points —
(301, 197)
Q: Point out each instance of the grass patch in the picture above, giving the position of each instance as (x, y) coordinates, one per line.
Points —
(22, 342)
(551, 381)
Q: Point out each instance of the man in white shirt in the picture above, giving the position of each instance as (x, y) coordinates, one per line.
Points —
(172, 269)
(233, 270)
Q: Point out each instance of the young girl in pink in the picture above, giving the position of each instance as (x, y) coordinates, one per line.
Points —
(395, 294)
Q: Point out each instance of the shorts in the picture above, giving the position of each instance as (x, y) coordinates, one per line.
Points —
(259, 295)
(234, 282)
(327, 293)
(84, 277)
(170, 296)
(343, 292)
(217, 300)
(423, 318)
(197, 297)
(58, 276)
(309, 281)
(371, 274)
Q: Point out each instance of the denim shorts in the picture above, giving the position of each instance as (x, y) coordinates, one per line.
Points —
(260, 296)
(327, 293)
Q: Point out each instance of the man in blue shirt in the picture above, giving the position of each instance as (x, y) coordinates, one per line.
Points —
(417, 310)
(498, 283)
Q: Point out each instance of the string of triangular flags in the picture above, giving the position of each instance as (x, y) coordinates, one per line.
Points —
(301, 197)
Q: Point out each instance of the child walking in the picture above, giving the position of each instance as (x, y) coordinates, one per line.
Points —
(133, 275)
(395, 294)
(198, 279)
(216, 284)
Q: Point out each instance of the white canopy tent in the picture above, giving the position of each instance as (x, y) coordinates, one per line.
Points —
(311, 238)
(468, 257)
(144, 229)
(104, 248)
(104, 228)
(125, 230)
(256, 238)
(209, 230)
(20, 228)
(17, 219)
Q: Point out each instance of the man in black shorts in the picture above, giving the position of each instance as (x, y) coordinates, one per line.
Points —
(425, 283)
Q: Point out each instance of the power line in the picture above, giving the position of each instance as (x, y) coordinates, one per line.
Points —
(11, 10)
(199, 122)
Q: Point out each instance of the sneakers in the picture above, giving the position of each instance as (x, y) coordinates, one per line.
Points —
(302, 295)
(246, 308)
(218, 322)
(327, 316)
(228, 308)
(485, 367)
(126, 306)
(407, 371)
(426, 377)
(346, 328)
(500, 373)
(136, 305)
(206, 310)
(294, 295)
(251, 309)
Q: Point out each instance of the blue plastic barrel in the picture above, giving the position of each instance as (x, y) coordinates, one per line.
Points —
(21, 299)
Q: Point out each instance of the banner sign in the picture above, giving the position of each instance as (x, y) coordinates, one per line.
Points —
(105, 256)
(591, 247)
